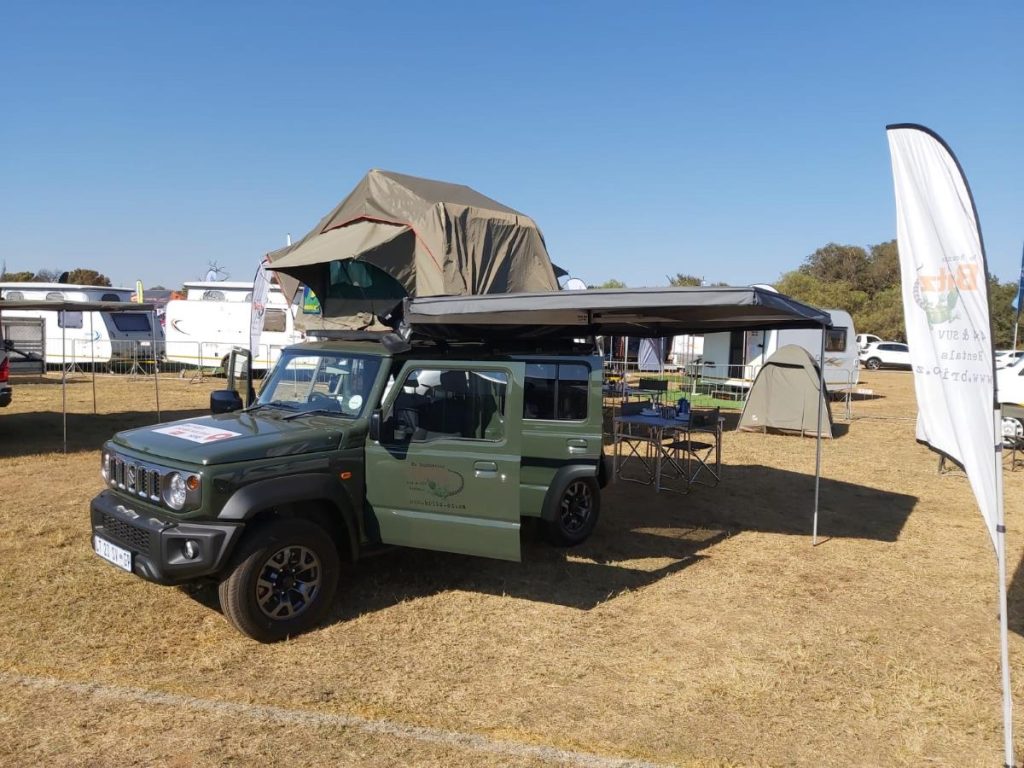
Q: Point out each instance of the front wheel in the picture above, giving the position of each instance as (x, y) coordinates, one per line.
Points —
(282, 581)
(873, 364)
(576, 514)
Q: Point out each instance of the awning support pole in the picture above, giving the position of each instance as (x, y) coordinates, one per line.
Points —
(817, 459)
(64, 376)
(92, 353)
(156, 363)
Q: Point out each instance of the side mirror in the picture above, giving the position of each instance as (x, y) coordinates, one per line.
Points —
(225, 401)
(375, 418)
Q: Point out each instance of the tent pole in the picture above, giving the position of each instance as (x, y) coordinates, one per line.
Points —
(1004, 651)
(817, 458)
(64, 376)
(92, 353)
(156, 365)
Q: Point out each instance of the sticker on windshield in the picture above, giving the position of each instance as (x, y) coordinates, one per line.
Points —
(197, 433)
(355, 402)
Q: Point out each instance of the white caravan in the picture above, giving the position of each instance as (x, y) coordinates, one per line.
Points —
(204, 327)
(87, 338)
(732, 359)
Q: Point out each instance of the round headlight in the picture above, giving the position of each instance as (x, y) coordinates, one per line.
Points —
(174, 491)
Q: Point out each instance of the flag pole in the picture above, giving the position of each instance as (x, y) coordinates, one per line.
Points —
(1017, 301)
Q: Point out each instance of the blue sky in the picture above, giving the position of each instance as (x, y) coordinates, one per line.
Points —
(728, 140)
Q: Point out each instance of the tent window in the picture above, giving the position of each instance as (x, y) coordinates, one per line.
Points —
(214, 296)
(359, 280)
(275, 321)
(556, 391)
(835, 340)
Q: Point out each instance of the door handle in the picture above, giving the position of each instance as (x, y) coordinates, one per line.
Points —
(485, 469)
(577, 445)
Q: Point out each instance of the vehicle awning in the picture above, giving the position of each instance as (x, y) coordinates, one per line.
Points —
(651, 312)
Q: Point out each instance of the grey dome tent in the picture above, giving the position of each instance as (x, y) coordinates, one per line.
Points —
(785, 394)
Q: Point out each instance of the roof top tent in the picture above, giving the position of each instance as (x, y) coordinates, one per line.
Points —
(86, 336)
(398, 236)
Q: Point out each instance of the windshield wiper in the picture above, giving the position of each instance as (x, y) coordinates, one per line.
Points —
(274, 404)
(328, 411)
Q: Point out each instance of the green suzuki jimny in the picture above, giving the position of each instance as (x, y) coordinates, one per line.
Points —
(348, 447)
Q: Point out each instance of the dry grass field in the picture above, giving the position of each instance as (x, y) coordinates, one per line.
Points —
(699, 630)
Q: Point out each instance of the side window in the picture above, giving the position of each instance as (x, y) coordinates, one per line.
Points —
(110, 297)
(835, 340)
(556, 391)
(214, 295)
(69, 319)
(438, 403)
(274, 321)
(55, 296)
(15, 296)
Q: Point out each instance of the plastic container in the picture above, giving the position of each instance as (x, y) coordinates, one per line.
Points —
(682, 408)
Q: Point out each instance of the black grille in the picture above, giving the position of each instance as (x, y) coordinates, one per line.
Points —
(136, 479)
(134, 538)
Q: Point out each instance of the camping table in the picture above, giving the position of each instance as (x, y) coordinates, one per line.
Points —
(658, 455)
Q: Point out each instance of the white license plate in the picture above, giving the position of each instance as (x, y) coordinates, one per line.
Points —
(112, 553)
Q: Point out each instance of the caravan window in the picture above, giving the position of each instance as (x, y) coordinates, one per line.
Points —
(214, 296)
(69, 320)
(15, 296)
(275, 321)
(835, 340)
(55, 296)
(130, 321)
(110, 297)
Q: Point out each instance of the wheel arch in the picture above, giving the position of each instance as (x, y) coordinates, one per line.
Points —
(560, 482)
(316, 497)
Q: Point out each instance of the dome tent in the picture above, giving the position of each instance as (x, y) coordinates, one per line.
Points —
(785, 395)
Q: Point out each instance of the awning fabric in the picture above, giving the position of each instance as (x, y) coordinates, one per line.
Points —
(651, 312)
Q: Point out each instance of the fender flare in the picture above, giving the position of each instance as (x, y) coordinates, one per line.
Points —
(560, 482)
(250, 500)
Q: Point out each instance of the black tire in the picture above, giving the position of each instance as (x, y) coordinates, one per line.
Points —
(281, 581)
(576, 514)
(873, 364)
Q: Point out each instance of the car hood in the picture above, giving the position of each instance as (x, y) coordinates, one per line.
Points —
(232, 437)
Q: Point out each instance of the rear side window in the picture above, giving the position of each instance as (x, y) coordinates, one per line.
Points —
(110, 297)
(556, 391)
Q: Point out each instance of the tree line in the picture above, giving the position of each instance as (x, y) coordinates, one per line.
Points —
(866, 283)
(79, 276)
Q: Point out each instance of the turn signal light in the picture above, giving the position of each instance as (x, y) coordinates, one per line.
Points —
(192, 482)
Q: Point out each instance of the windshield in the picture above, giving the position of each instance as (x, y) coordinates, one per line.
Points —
(325, 382)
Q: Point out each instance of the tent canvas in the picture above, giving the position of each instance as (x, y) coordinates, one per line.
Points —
(785, 395)
(415, 237)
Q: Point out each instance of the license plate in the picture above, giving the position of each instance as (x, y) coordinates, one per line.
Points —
(112, 553)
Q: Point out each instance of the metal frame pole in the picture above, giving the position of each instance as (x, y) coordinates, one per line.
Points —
(156, 365)
(817, 458)
(64, 377)
(92, 354)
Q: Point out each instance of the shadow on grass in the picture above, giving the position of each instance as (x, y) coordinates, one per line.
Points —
(42, 431)
(642, 538)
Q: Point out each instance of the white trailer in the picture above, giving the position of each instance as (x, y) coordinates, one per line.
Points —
(732, 360)
(204, 327)
(87, 338)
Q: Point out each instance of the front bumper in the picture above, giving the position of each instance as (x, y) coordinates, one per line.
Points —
(158, 545)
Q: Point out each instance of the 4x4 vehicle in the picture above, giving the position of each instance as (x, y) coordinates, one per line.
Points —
(348, 447)
(887, 354)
